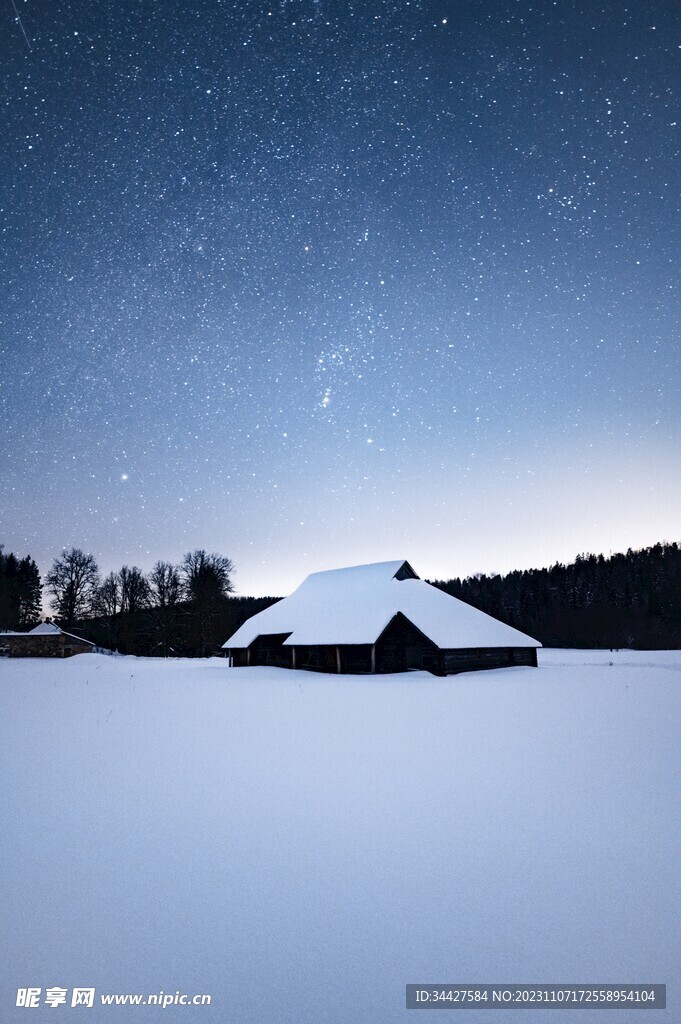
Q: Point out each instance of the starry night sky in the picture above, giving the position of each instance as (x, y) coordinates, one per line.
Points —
(312, 283)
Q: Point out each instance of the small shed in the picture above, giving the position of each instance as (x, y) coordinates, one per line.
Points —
(47, 640)
(377, 618)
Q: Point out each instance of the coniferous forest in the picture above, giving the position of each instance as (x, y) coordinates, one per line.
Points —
(20, 592)
(623, 600)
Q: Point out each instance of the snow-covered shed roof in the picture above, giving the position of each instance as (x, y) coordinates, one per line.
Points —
(354, 606)
(51, 628)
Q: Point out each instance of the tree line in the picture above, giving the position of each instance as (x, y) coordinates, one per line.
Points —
(624, 600)
(184, 609)
(188, 609)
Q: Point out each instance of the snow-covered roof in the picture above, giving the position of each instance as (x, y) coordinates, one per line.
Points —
(51, 629)
(354, 606)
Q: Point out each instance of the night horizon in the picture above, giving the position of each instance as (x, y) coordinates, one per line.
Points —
(314, 285)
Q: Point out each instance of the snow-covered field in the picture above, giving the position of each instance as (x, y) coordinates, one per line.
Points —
(302, 846)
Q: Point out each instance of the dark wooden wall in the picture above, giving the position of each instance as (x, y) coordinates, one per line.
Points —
(471, 659)
(400, 647)
(269, 650)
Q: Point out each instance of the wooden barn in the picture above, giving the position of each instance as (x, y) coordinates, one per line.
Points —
(377, 618)
(44, 641)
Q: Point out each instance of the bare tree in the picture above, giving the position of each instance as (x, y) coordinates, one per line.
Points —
(207, 580)
(107, 605)
(164, 585)
(73, 581)
(165, 590)
(206, 577)
(134, 589)
(108, 597)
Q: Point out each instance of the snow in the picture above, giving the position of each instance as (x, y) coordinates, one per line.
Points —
(354, 605)
(45, 627)
(302, 846)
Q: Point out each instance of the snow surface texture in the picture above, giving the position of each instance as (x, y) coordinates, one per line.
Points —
(301, 846)
(355, 604)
